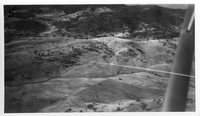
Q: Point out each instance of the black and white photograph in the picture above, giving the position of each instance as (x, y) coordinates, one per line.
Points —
(64, 58)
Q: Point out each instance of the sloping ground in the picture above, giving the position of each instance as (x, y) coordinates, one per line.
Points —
(61, 73)
(113, 42)
(92, 70)
(16, 60)
(161, 67)
(69, 75)
(117, 93)
(157, 52)
(127, 52)
(110, 91)
(95, 19)
(26, 27)
(106, 94)
(142, 79)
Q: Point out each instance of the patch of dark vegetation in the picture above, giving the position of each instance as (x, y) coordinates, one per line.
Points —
(26, 27)
(68, 110)
(8, 77)
(33, 104)
(95, 24)
(99, 46)
(71, 59)
(159, 22)
(140, 50)
(129, 16)
(63, 24)
(133, 44)
(134, 50)
(129, 53)
(28, 73)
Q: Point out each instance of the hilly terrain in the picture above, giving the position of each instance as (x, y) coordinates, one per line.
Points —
(81, 58)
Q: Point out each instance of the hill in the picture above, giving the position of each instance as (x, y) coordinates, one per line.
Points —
(89, 58)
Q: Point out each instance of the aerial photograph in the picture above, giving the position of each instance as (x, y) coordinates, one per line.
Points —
(99, 58)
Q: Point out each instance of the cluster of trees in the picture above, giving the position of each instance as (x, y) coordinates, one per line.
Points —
(72, 57)
(157, 33)
(108, 22)
(26, 27)
(99, 23)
